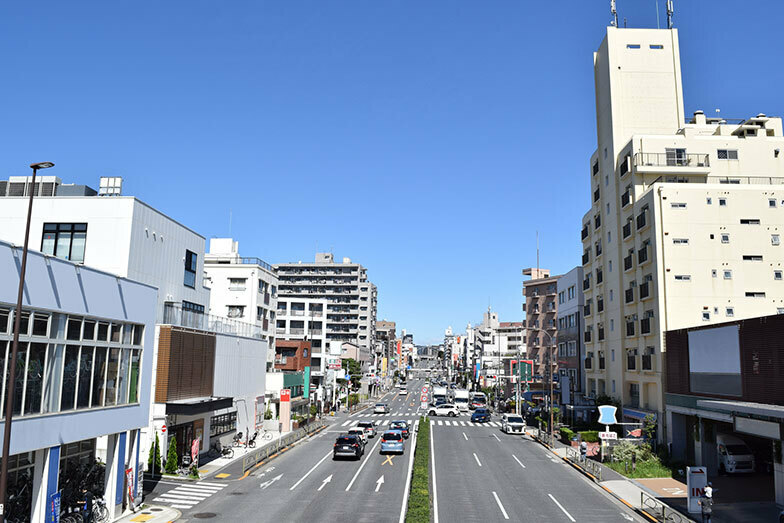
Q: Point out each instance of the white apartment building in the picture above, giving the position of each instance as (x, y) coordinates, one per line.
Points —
(685, 222)
(84, 373)
(209, 372)
(303, 319)
(241, 288)
(351, 300)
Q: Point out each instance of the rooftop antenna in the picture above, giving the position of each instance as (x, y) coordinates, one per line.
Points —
(229, 223)
(537, 254)
(614, 13)
(670, 10)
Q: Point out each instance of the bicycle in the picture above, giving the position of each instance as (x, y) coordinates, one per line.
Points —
(100, 512)
(221, 452)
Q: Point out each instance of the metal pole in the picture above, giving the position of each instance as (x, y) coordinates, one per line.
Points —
(9, 403)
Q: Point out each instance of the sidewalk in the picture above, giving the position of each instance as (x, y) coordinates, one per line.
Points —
(152, 514)
(212, 467)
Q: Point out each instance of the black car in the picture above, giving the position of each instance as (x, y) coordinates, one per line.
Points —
(402, 426)
(348, 445)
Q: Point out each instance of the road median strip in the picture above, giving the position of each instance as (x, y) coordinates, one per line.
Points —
(419, 507)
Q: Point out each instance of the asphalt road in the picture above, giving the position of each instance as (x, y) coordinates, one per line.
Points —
(305, 484)
(484, 475)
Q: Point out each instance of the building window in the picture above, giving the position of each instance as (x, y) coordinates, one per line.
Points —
(755, 294)
(780, 310)
(706, 315)
(708, 200)
(730, 311)
(237, 284)
(775, 239)
(752, 257)
(749, 221)
(727, 274)
(236, 311)
(678, 205)
(722, 202)
(683, 277)
(223, 424)
(190, 269)
(771, 202)
(65, 240)
(727, 154)
(777, 275)
(725, 237)
(680, 241)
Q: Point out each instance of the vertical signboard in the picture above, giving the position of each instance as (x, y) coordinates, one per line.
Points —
(54, 507)
(696, 481)
(306, 391)
(285, 410)
(383, 366)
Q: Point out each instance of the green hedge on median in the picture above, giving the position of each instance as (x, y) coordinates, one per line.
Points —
(419, 498)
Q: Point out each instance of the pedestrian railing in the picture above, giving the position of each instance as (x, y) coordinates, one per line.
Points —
(659, 510)
(590, 466)
(272, 448)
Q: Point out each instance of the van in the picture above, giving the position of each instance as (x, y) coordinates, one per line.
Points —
(735, 456)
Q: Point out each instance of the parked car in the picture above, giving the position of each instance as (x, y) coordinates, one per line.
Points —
(513, 424)
(348, 445)
(356, 431)
(480, 415)
(446, 409)
(734, 455)
(402, 426)
(392, 441)
(368, 427)
(381, 408)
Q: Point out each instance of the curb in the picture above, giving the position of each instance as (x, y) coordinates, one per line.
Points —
(593, 478)
(278, 453)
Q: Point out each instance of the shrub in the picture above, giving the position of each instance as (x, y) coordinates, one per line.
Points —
(268, 414)
(624, 451)
(419, 498)
(154, 459)
(589, 436)
(171, 459)
(567, 434)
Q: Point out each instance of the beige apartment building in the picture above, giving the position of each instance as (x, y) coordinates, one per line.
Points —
(686, 218)
(541, 314)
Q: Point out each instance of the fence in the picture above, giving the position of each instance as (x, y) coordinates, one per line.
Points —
(272, 448)
(592, 467)
(659, 510)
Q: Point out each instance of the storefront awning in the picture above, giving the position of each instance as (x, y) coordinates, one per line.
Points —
(193, 406)
(744, 407)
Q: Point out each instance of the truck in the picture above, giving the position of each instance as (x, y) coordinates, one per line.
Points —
(461, 399)
(439, 394)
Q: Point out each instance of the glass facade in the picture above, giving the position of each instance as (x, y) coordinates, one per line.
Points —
(69, 362)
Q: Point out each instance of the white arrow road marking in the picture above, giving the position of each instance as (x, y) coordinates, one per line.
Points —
(270, 482)
(627, 517)
(265, 472)
(379, 482)
(311, 470)
(323, 483)
(362, 465)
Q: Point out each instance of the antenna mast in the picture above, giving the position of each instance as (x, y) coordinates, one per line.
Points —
(670, 10)
(614, 13)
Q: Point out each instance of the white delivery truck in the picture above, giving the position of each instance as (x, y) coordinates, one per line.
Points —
(734, 455)
(461, 399)
(439, 393)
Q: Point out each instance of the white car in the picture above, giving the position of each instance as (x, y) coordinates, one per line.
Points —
(513, 424)
(381, 408)
(359, 432)
(445, 409)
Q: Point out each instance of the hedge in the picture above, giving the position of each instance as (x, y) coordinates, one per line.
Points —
(419, 497)
(566, 434)
(589, 436)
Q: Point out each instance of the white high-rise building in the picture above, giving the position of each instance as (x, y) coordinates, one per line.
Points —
(685, 223)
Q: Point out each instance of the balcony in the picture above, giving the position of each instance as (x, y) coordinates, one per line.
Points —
(628, 263)
(175, 315)
(587, 336)
(629, 295)
(642, 220)
(280, 330)
(297, 312)
(586, 258)
(596, 195)
(631, 362)
(601, 334)
(597, 221)
(626, 198)
(588, 362)
(629, 328)
(316, 314)
(627, 230)
(647, 362)
(599, 305)
(672, 162)
(316, 332)
(645, 326)
(624, 166)
(587, 309)
(601, 363)
(642, 255)
(584, 233)
(645, 290)
(586, 284)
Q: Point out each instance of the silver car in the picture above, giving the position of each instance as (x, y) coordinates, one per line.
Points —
(513, 424)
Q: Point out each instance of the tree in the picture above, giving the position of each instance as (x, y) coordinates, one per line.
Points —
(354, 369)
(440, 355)
(649, 427)
(171, 460)
(154, 459)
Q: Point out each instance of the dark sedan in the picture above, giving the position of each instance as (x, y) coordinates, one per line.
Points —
(480, 415)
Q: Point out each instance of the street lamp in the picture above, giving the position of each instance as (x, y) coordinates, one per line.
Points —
(550, 373)
(9, 403)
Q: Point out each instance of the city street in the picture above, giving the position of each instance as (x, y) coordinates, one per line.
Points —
(305, 484)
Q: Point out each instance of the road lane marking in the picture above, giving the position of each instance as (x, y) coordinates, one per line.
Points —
(324, 483)
(346, 423)
(388, 460)
(363, 465)
(561, 507)
(379, 482)
(506, 516)
(477, 459)
(435, 488)
(440, 423)
(518, 461)
(496, 437)
(311, 470)
(466, 437)
(267, 483)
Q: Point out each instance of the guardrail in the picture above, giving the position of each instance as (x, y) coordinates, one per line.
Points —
(592, 467)
(272, 448)
(659, 510)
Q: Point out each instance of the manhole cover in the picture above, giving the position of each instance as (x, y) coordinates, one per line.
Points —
(156, 509)
(205, 515)
(237, 493)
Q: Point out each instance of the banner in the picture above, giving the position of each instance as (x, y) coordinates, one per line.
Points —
(306, 393)
(54, 507)
(129, 479)
(383, 366)
(399, 346)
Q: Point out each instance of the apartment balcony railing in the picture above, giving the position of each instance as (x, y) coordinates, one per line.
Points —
(631, 362)
(597, 221)
(174, 315)
(674, 159)
(601, 362)
(642, 220)
(645, 290)
(316, 332)
(629, 295)
(584, 233)
(629, 328)
(599, 305)
(627, 230)
(626, 198)
(645, 326)
(316, 314)
(601, 334)
(587, 336)
(642, 255)
(279, 330)
(647, 362)
(587, 309)
(297, 312)
(586, 284)
(624, 166)
(296, 332)
(588, 362)
(586, 258)
(256, 261)
(599, 277)
(628, 262)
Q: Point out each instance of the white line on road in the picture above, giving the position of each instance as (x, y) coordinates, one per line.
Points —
(477, 459)
(506, 516)
(363, 465)
(496, 437)
(561, 507)
(311, 470)
(466, 437)
(323, 483)
(346, 423)
(435, 489)
(379, 482)
(518, 461)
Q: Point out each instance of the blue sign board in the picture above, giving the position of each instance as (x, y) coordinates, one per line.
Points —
(54, 508)
(607, 415)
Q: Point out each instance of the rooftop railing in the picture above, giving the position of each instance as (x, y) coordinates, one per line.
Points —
(671, 159)
(175, 315)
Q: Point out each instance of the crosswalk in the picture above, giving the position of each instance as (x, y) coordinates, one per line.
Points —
(189, 495)
(433, 422)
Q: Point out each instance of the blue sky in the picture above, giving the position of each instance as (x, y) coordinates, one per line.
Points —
(421, 139)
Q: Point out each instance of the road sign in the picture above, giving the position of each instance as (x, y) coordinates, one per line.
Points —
(285, 395)
(163, 429)
(526, 371)
(608, 435)
(425, 390)
(696, 481)
(423, 399)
